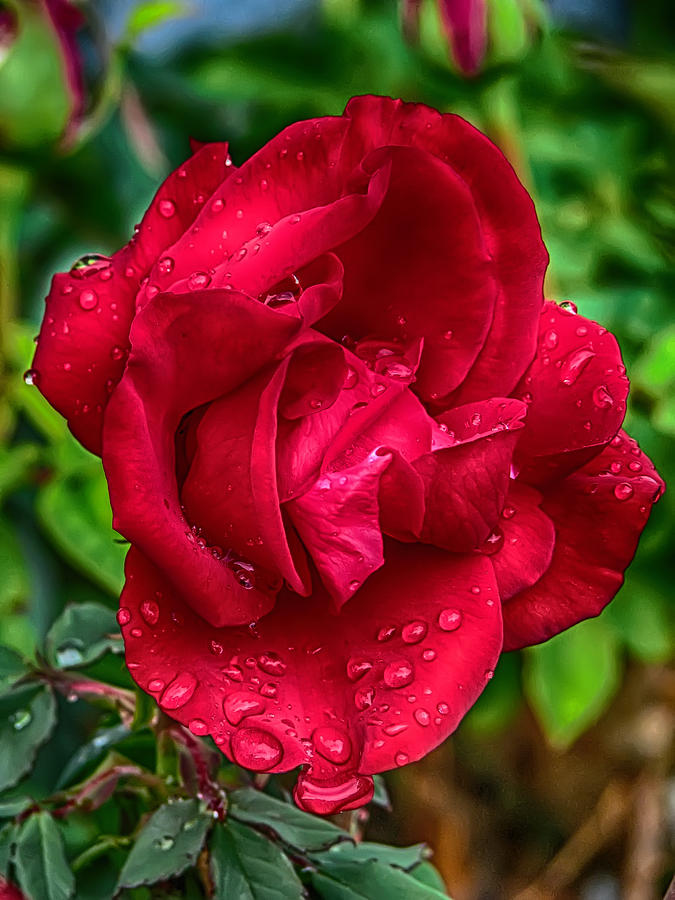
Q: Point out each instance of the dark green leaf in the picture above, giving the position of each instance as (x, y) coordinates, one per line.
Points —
(42, 869)
(427, 874)
(12, 667)
(381, 794)
(14, 582)
(571, 679)
(82, 633)
(7, 838)
(640, 615)
(169, 842)
(248, 866)
(102, 741)
(294, 827)
(369, 881)
(27, 717)
(405, 858)
(13, 806)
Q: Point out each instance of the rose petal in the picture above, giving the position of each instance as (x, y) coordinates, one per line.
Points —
(466, 482)
(598, 513)
(576, 391)
(186, 350)
(84, 339)
(376, 686)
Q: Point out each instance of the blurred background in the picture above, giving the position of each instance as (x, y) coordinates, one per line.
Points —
(560, 781)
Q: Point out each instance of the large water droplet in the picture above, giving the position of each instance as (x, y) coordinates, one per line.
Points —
(623, 491)
(449, 619)
(363, 698)
(422, 717)
(165, 265)
(326, 797)
(88, 299)
(178, 691)
(357, 668)
(255, 749)
(31, 377)
(493, 543)
(574, 364)
(602, 397)
(198, 726)
(198, 281)
(123, 616)
(240, 705)
(167, 208)
(272, 664)
(150, 612)
(398, 674)
(569, 306)
(395, 728)
(332, 743)
(414, 632)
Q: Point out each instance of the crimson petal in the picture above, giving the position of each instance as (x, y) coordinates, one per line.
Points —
(598, 513)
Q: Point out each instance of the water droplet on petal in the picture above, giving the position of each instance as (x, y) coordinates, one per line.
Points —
(167, 208)
(443, 709)
(422, 717)
(329, 796)
(198, 726)
(178, 691)
(623, 491)
(508, 512)
(449, 619)
(88, 299)
(240, 705)
(198, 280)
(165, 265)
(602, 398)
(574, 364)
(428, 655)
(357, 668)
(255, 749)
(386, 633)
(401, 758)
(550, 340)
(363, 698)
(31, 377)
(150, 612)
(123, 616)
(272, 664)
(398, 674)
(395, 728)
(414, 632)
(569, 306)
(332, 743)
(155, 685)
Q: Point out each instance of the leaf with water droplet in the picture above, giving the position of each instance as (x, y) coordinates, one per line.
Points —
(165, 848)
(356, 880)
(295, 828)
(27, 717)
(42, 869)
(81, 635)
(248, 866)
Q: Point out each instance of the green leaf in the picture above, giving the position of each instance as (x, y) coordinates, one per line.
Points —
(102, 741)
(248, 866)
(14, 582)
(381, 794)
(42, 869)
(405, 858)
(499, 702)
(75, 512)
(15, 464)
(427, 874)
(7, 838)
(13, 806)
(370, 881)
(152, 13)
(27, 717)
(81, 635)
(12, 667)
(639, 613)
(571, 679)
(295, 828)
(169, 842)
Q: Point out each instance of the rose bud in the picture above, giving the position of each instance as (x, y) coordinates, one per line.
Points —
(354, 451)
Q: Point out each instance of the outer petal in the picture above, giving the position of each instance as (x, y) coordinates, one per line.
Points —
(186, 351)
(376, 686)
(466, 482)
(598, 514)
(84, 340)
(508, 222)
(576, 391)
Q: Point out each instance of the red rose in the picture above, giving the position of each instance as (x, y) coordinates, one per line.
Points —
(354, 452)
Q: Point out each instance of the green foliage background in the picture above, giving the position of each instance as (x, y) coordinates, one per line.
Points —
(591, 132)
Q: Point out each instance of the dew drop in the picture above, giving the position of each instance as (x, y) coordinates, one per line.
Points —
(165, 265)
(429, 655)
(198, 280)
(550, 340)
(272, 664)
(150, 612)
(422, 717)
(332, 743)
(363, 698)
(414, 632)
(623, 491)
(167, 208)
(123, 616)
(401, 758)
(269, 689)
(118, 353)
(31, 377)
(386, 633)
(255, 749)
(164, 843)
(198, 726)
(20, 719)
(398, 674)
(216, 648)
(233, 672)
(178, 691)
(329, 796)
(88, 299)
(136, 633)
(443, 709)
(155, 685)
(240, 705)
(395, 728)
(574, 364)
(602, 398)
(569, 306)
(357, 668)
(508, 512)
(450, 619)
